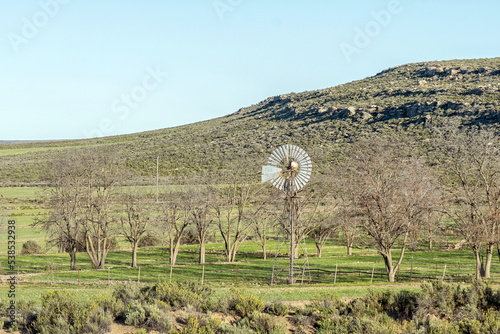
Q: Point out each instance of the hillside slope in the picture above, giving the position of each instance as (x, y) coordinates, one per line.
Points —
(406, 101)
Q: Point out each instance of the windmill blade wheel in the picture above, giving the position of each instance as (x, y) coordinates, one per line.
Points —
(288, 168)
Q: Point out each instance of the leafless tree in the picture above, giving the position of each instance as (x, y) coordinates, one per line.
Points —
(84, 183)
(392, 193)
(102, 176)
(230, 208)
(348, 222)
(135, 219)
(66, 202)
(264, 218)
(201, 217)
(472, 181)
(323, 229)
(175, 218)
(322, 221)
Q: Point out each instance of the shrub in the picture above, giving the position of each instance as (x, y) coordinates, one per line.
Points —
(329, 304)
(31, 247)
(51, 267)
(135, 314)
(180, 295)
(62, 313)
(157, 319)
(404, 305)
(303, 320)
(263, 323)
(349, 324)
(235, 329)
(109, 304)
(149, 316)
(472, 326)
(277, 308)
(194, 327)
(437, 299)
(127, 292)
(244, 305)
(149, 240)
(491, 321)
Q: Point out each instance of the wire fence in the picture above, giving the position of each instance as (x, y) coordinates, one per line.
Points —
(247, 273)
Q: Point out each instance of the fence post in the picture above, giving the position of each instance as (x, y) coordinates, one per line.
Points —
(444, 271)
(411, 270)
(373, 270)
(78, 276)
(108, 273)
(458, 269)
(335, 278)
(236, 274)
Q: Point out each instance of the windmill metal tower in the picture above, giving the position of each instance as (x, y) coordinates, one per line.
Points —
(289, 169)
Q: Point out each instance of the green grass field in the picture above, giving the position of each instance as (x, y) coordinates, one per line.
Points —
(335, 272)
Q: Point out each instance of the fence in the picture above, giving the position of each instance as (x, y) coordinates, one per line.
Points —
(248, 273)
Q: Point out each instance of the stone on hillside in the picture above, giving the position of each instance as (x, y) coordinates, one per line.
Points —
(366, 116)
(351, 111)
(484, 69)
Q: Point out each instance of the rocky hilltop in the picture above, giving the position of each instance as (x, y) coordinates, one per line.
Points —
(407, 101)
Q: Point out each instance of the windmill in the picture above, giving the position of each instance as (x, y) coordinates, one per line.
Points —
(289, 169)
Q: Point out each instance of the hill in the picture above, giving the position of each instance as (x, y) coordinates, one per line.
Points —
(407, 101)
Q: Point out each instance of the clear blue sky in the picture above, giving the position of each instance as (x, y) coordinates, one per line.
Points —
(75, 69)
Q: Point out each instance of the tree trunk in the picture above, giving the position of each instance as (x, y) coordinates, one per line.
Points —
(232, 252)
(318, 248)
(489, 256)
(391, 273)
(264, 251)
(72, 256)
(430, 243)
(134, 254)
(478, 264)
(202, 252)
(349, 250)
(175, 244)
(296, 250)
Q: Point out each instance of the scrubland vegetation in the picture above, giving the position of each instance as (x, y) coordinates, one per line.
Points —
(405, 179)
